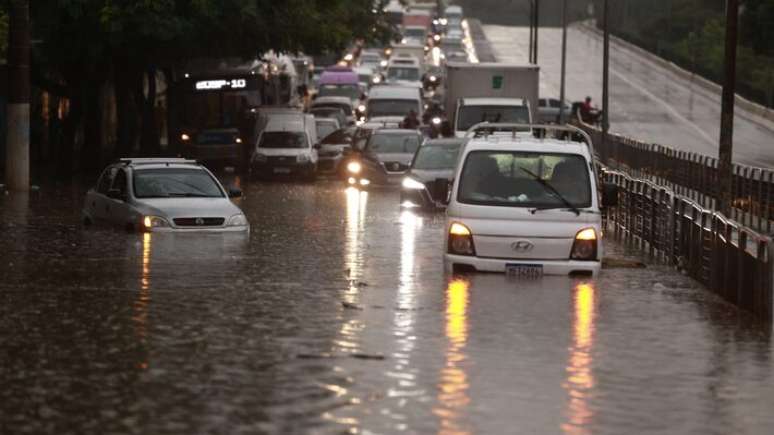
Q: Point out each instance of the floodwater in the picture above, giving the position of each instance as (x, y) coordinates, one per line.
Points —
(335, 316)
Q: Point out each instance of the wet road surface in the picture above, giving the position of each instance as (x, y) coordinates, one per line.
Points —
(648, 102)
(335, 316)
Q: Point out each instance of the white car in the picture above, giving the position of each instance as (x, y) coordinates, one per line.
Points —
(286, 146)
(526, 206)
(163, 195)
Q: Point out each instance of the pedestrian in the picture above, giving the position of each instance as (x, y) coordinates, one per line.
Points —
(411, 121)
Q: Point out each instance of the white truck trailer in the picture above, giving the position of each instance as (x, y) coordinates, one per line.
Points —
(500, 87)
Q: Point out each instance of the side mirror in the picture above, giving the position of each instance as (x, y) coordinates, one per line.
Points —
(610, 193)
(317, 146)
(234, 192)
(116, 194)
(442, 190)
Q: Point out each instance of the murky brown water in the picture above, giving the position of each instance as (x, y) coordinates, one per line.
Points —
(334, 315)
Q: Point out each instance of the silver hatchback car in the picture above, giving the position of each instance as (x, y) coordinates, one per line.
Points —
(163, 195)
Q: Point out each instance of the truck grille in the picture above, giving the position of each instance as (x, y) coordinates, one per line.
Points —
(199, 222)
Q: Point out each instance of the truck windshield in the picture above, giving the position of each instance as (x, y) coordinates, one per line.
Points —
(349, 91)
(401, 73)
(508, 179)
(283, 139)
(436, 156)
(472, 115)
(394, 143)
(174, 182)
(377, 108)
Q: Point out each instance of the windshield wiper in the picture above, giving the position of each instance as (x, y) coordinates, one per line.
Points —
(551, 190)
(190, 195)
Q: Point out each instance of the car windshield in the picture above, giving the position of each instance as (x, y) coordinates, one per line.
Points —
(414, 33)
(325, 128)
(175, 182)
(472, 115)
(380, 107)
(394, 143)
(349, 91)
(525, 179)
(401, 73)
(283, 139)
(437, 156)
(343, 107)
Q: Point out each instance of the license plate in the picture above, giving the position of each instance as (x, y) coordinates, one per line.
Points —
(281, 170)
(527, 271)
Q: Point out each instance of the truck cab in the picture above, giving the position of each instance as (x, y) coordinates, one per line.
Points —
(526, 206)
(472, 111)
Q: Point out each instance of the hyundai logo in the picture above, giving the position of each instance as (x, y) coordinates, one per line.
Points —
(522, 246)
(199, 221)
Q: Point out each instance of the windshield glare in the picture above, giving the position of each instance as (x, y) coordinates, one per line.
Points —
(174, 182)
(504, 179)
(349, 91)
(398, 73)
(436, 156)
(394, 143)
(472, 115)
(378, 108)
(283, 139)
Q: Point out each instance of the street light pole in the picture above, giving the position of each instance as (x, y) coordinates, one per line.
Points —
(606, 75)
(17, 161)
(564, 61)
(531, 27)
(537, 26)
(725, 164)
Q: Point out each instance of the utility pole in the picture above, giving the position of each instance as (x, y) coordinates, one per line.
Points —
(17, 161)
(531, 27)
(564, 61)
(537, 26)
(606, 77)
(725, 165)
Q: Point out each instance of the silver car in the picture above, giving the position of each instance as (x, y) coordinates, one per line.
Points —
(163, 195)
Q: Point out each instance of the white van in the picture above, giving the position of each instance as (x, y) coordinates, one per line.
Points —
(472, 111)
(287, 145)
(526, 206)
(392, 103)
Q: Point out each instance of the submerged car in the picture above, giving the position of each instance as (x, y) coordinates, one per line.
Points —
(385, 158)
(432, 167)
(526, 206)
(163, 195)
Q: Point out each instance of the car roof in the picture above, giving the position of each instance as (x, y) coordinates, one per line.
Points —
(322, 100)
(326, 121)
(399, 92)
(446, 141)
(159, 161)
(527, 144)
(495, 101)
(396, 131)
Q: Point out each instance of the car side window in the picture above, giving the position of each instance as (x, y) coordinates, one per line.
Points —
(119, 182)
(106, 180)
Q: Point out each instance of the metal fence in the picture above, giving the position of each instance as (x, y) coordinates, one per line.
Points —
(692, 175)
(731, 260)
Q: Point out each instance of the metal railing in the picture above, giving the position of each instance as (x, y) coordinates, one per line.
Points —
(731, 260)
(692, 175)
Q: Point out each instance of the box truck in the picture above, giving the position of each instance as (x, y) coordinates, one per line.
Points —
(495, 92)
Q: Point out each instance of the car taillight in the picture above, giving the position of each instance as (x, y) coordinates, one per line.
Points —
(585, 246)
(460, 240)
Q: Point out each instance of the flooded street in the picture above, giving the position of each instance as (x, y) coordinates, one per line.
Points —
(334, 315)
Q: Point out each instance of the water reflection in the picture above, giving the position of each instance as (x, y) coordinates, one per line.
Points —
(580, 376)
(357, 203)
(140, 315)
(453, 386)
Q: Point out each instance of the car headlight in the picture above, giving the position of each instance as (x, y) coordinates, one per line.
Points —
(260, 157)
(437, 121)
(354, 167)
(410, 183)
(303, 158)
(238, 220)
(585, 246)
(384, 64)
(150, 222)
(361, 108)
(433, 79)
(185, 137)
(376, 80)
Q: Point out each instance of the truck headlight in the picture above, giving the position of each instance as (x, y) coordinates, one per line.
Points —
(354, 167)
(585, 246)
(238, 220)
(150, 222)
(460, 240)
(412, 184)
